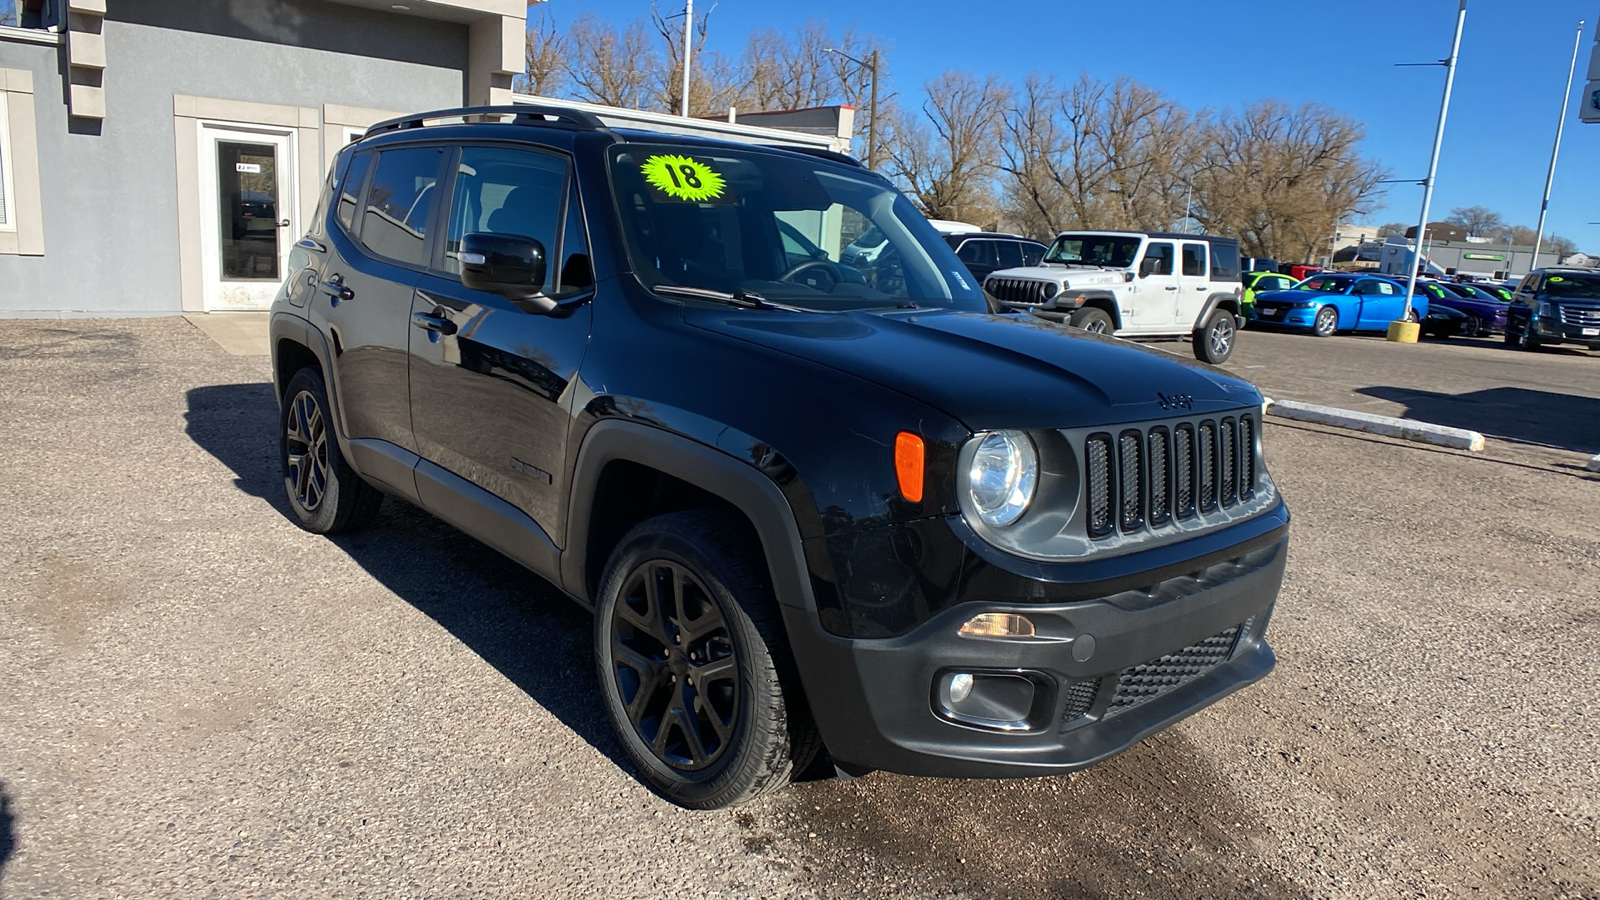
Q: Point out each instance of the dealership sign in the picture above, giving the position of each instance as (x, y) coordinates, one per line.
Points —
(1497, 257)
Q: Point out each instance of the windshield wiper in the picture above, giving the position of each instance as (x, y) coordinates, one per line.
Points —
(741, 299)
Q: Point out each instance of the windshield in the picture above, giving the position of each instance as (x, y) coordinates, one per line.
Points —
(1326, 284)
(753, 225)
(1094, 250)
(1572, 287)
(1476, 293)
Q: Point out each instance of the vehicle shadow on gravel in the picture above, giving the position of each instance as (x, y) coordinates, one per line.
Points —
(515, 621)
(1158, 821)
(1565, 421)
(8, 834)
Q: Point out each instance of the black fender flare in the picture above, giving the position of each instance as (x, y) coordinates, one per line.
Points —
(1082, 298)
(287, 326)
(1216, 300)
(708, 468)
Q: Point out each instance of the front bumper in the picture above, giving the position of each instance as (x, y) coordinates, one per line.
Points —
(1106, 672)
(1288, 317)
(1554, 331)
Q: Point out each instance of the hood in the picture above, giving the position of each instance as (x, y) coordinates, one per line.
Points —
(992, 371)
(1078, 276)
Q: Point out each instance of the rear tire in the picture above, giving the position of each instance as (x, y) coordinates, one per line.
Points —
(325, 494)
(1213, 341)
(1472, 327)
(694, 668)
(1091, 319)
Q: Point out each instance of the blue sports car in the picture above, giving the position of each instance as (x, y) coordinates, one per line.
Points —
(1334, 301)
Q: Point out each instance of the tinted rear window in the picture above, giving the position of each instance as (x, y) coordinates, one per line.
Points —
(1224, 262)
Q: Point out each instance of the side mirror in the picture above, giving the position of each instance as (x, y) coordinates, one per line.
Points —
(510, 265)
(1147, 267)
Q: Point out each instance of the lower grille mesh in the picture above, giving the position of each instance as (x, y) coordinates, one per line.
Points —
(1147, 681)
(1079, 698)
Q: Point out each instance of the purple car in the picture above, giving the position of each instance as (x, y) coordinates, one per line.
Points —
(1485, 314)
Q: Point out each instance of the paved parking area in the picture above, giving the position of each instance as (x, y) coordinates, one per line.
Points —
(199, 699)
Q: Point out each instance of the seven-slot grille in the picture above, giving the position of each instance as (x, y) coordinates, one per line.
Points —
(1583, 317)
(1020, 291)
(1151, 477)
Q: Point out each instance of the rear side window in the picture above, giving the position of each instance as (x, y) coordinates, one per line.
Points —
(355, 176)
(1224, 262)
(394, 220)
(1194, 259)
(979, 253)
(1032, 253)
(1010, 253)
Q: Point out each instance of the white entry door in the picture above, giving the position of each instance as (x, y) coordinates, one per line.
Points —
(249, 212)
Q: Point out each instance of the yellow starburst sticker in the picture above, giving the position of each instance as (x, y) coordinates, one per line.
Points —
(683, 178)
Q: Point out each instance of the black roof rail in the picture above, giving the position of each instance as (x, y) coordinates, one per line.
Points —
(524, 114)
(820, 152)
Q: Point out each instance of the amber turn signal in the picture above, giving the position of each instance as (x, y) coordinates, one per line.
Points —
(998, 625)
(908, 455)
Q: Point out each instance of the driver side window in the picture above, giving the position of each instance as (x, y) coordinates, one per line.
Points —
(504, 191)
(1158, 258)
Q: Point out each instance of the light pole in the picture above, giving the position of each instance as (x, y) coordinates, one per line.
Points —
(1188, 197)
(1550, 177)
(688, 50)
(1402, 330)
(872, 121)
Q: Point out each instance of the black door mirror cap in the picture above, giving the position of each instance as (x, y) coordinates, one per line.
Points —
(511, 265)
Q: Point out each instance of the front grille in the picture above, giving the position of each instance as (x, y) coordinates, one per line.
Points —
(1147, 681)
(1153, 478)
(1020, 292)
(1580, 316)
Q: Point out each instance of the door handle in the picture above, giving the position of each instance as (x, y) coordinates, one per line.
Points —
(1170, 288)
(334, 287)
(284, 224)
(1201, 288)
(435, 323)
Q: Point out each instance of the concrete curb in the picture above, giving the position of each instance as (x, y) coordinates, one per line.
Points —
(1407, 429)
(1594, 463)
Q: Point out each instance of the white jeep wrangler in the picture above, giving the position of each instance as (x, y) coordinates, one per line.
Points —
(1134, 284)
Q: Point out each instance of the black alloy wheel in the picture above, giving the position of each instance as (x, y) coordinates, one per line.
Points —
(1472, 327)
(325, 494)
(675, 665)
(1326, 322)
(694, 667)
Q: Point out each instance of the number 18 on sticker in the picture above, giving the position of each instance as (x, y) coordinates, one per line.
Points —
(682, 178)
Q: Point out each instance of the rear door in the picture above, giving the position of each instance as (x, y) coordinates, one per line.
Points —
(491, 378)
(1194, 284)
(376, 252)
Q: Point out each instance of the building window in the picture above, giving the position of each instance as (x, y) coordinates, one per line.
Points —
(42, 14)
(8, 214)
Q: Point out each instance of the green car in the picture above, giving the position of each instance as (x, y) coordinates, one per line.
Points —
(1261, 282)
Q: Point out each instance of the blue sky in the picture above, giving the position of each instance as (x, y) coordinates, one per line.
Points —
(1514, 57)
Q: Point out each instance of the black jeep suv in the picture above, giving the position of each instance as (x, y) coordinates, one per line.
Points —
(814, 508)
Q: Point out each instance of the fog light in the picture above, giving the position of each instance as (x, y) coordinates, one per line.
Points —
(1006, 625)
(960, 686)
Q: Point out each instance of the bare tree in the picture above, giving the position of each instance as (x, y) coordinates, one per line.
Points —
(1562, 247)
(1283, 178)
(1392, 229)
(714, 82)
(1479, 221)
(1518, 235)
(609, 67)
(545, 72)
(945, 154)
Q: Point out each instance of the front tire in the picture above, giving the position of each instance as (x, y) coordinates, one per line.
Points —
(1213, 342)
(1326, 322)
(693, 664)
(1091, 319)
(325, 494)
(1472, 327)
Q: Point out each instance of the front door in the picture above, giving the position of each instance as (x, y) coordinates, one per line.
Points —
(249, 215)
(1150, 308)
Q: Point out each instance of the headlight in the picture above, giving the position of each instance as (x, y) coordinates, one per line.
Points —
(1049, 291)
(1002, 476)
(1548, 310)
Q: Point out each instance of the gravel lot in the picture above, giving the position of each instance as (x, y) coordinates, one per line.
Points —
(199, 699)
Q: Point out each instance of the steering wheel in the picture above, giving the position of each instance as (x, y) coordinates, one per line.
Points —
(822, 265)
